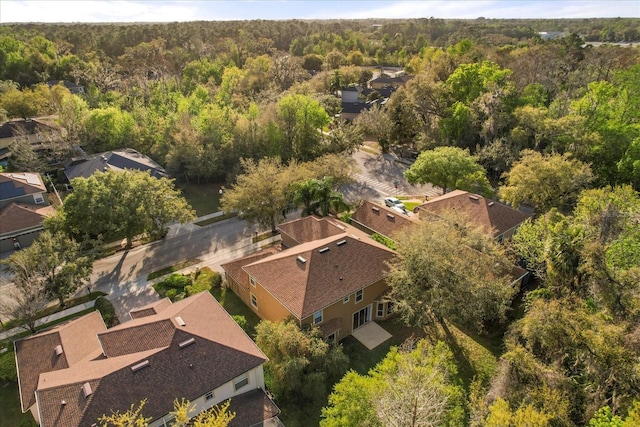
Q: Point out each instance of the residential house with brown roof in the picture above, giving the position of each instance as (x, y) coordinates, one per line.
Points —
(331, 275)
(74, 373)
(374, 218)
(23, 208)
(497, 219)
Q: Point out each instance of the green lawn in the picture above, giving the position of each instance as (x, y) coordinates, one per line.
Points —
(204, 198)
(10, 414)
(362, 359)
(235, 306)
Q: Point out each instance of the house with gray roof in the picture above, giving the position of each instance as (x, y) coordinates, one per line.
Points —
(23, 207)
(128, 158)
(72, 374)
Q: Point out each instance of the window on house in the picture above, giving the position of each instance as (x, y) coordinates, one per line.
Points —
(209, 395)
(331, 339)
(253, 282)
(389, 307)
(240, 382)
(254, 301)
(346, 299)
(380, 311)
(359, 295)
(317, 317)
(38, 199)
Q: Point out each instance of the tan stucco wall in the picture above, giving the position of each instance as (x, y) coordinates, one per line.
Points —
(346, 310)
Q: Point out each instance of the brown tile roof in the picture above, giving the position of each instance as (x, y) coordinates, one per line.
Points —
(381, 219)
(19, 216)
(37, 353)
(252, 409)
(150, 309)
(134, 339)
(310, 228)
(20, 184)
(220, 351)
(330, 326)
(494, 217)
(234, 268)
(324, 277)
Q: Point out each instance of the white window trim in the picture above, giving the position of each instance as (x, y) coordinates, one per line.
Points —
(361, 291)
(346, 299)
(252, 281)
(210, 393)
(38, 198)
(254, 300)
(321, 317)
(380, 309)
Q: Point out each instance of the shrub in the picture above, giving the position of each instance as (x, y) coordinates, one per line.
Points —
(197, 287)
(8, 367)
(177, 281)
(241, 321)
(171, 294)
(107, 311)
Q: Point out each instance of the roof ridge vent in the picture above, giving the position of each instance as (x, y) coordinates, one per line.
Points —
(323, 250)
(180, 321)
(491, 203)
(355, 237)
(302, 260)
(375, 209)
(341, 242)
(59, 350)
(140, 365)
(86, 390)
(186, 343)
(474, 197)
(391, 216)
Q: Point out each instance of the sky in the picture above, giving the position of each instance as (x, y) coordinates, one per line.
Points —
(211, 10)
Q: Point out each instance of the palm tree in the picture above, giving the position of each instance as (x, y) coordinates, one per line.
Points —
(317, 197)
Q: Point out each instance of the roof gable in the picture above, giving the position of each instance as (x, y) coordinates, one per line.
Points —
(19, 216)
(380, 219)
(37, 353)
(312, 276)
(494, 217)
(310, 228)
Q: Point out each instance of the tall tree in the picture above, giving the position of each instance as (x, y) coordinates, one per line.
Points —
(118, 204)
(302, 366)
(545, 181)
(317, 197)
(261, 193)
(441, 266)
(302, 119)
(449, 168)
(417, 387)
(28, 297)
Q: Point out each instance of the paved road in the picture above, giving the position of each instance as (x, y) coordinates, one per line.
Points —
(377, 176)
(123, 275)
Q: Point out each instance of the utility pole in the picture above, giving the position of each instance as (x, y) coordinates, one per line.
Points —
(55, 190)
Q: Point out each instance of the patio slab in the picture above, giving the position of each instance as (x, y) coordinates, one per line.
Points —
(371, 335)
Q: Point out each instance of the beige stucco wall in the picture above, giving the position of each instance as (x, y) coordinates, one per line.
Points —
(345, 311)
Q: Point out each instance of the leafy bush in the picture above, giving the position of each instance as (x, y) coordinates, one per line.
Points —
(384, 240)
(171, 294)
(241, 321)
(8, 367)
(197, 287)
(107, 311)
(177, 281)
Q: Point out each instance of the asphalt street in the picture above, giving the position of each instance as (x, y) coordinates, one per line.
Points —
(124, 274)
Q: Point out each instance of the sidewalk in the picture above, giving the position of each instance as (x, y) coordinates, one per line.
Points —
(48, 319)
(139, 292)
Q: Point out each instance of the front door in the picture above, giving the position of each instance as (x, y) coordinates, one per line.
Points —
(361, 317)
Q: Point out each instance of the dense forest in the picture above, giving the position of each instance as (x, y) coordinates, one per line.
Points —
(197, 97)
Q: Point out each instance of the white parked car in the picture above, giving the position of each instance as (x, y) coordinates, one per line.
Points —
(393, 202)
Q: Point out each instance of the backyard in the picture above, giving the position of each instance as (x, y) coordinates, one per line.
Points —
(203, 198)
